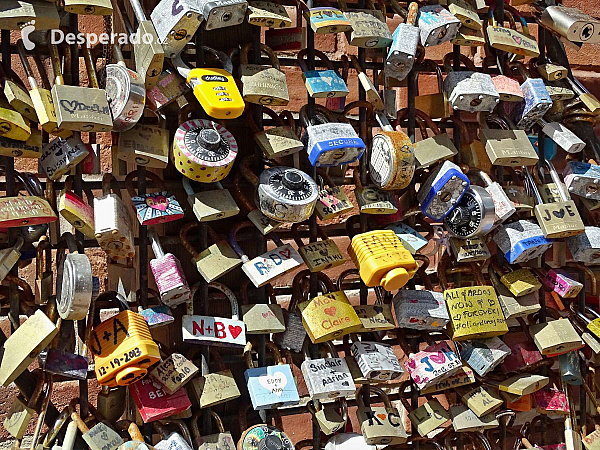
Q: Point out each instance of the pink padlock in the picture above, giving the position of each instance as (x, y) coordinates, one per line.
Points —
(509, 89)
(432, 365)
(168, 274)
(551, 401)
(559, 281)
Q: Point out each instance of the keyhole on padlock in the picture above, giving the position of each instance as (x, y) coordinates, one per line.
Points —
(292, 180)
(226, 17)
(476, 101)
(591, 188)
(442, 33)
(587, 32)
(446, 196)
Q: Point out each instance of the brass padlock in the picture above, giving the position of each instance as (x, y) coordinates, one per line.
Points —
(15, 15)
(319, 255)
(332, 201)
(372, 200)
(519, 282)
(379, 425)
(508, 146)
(17, 97)
(512, 306)
(369, 29)
(436, 106)
(144, 145)
(427, 417)
(213, 204)
(268, 14)
(91, 7)
(263, 85)
(173, 372)
(480, 400)
(555, 337)
(12, 124)
(276, 142)
(261, 318)
(326, 415)
(44, 277)
(213, 388)
(22, 411)
(509, 39)
(75, 210)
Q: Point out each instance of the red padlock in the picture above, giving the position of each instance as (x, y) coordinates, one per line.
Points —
(154, 403)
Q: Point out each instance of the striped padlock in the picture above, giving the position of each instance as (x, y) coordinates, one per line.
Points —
(203, 150)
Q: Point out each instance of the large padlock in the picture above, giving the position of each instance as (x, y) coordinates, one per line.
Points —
(215, 261)
(155, 207)
(379, 425)
(327, 378)
(213, 388)
(536, 100)
(268, 14)
(325, 20)
(211, 330)
(61, 155)
(73, 280)
(331, 143)
(512, 306)
(322, 83)
(214, 88)
(442, 190)
(168, 274)
(112, 222)
(212, 204)
(581, 179)
(263, 85)
(75, 210)
(509, 39)
(318, 255)
(369, 29)
(433, 364)
(327, 417)
(435, 105)
(270, 387)
(469, 90)
(571, 23)
(124, 338)
(403, 49)
(474, 311)
(484, 355)
(266, 267)
(332, 201)
(375, 360)
(473, 215)
(421, 309)
(330, 315)
(585, 247)
(276, 142)
(558, 219)
(173, 372)
(295, 334)
(426, 417)
(261, 318)
(222, 439)
(79, 108)
(521, 241)
(555, 337)
(175, 24)
(372, 200)
(437, 25)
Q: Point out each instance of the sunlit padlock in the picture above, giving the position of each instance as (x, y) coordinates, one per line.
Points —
(536, 100)
(276, 142)
(327, 378)
(155, 207)
(433, 364)
(484, 355)
(261, 318)
(506, 146)
(173, 372)
(555, 337)
(401, 55)
(582, 179)
(295, 334)
(332, 201)
(75, 210)
(263, 84)
(268, 14)
(372, 200)
(521, 241)
(61, 155)
(327, 416)
(426, 417)
(571, 23)
(212, 388)
(379, 425)
(437, 25)
(442, 190)
(318, 255)
(512, 306)
(73, 280)
(375, 360)
(175, 24)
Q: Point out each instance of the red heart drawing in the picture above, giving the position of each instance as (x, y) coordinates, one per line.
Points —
(414, 301)
(382, 416)
(411, 364)
(286, 253)
(330, 311)
(235, 331)
(438, 357)
(159, 202)
(517, 39)
(413, 320)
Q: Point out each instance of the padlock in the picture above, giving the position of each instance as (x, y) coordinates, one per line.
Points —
(555, 337)
(211, 330)
(479, 301)
(503, 206)
(213, 262)
(12, 124)
(286, 39)
(79, 108)
(168, 274)
(155, 316)
(571, 23)
(124, 338)
(262, 434)
(424, 418)
(111, 402)
(464, 420)
(412, 239)
(175, 24)
(585, 247)
(430, 150)
(509, 88)
(509, 39)
(21, 411)
(263, 223)
(268, 14)
(322, 83)
(590, 100)
(551, 401)
(222, 439)
(261, 318)
(73, 281)
(421, 309)
(332, 201)
(15, 15)
(126, 92)
(170, 86)
(512, 306)
(263, 85)
(155, 207)
(392, 158)
(403, 49)
(275, 142)
(484, 355)
(94, 7)
(369, 29)
(75, 210)
(559, 219)
(524, 356)
(210, 205)
(219, 14)
(442, 190)
(18, 97)
(318, 255)
(270, 387)
(469, 250)
(562, 136)
(172, 440)
(569, 368)
(437, 25)
(372, 200)
(580, 179)
(536, 100)
(519, 282)
(61, 155)
(284, 194)
(375, 360)
(100, 436)
(214, 388)
(44, 277)
(327, 417)
(466, 13)
(266, 267)
(382, 259)
(173, 372)
(523, 384)
(215, 89)
(479, 399)
(153, 402)
(10, 256)
(469, 37)
(294, 335)
(379, 425)
(330, 143)
(31, 148)
(112, 222)
(561, 282)
(327, 378)
(435, 105)
(469, 90)
(521, 241)
(144, 145)
(325, 20)
(473, 215)
(433, 364)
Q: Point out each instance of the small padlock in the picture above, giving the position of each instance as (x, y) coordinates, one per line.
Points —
(464, 420)
(173, 372)
(94, 7)
(376, 361)
(469, 250)
(144, 145)
(559, 281)
(75, 210)
(261, 318)
(327, 417)
(585, 247)
(276, 142)
(562, 136)
(519, 282)
(31, 148)
(509, 39)
(479, 399)
(509, 88)
(12, 124)
(318, 255)
(175, 24)
(551, 401)
(173, 440)
(100, 436)
(442, 190)
(168, 274)
(521, 241)
(512, 306)
(111, 402)
(372, 200)
(536, 100)
(18, 97)
(211, 330)
(168, 89)
(219, 14)
(327, 378)
(503, 206)
(466, 13)
(469, 37)
(379, 425)
(437, 25)
(295, 334)
(263, 85)
(210, 205)
(484, 355)
(44, 277)
(214, 388)
(401, 55)
(155, 207)
(322, 83)
(412, 239)
(268, 14)
(369, 29)
(21, 411)
(73, 281)
(325, 20)
(435, 105)
(332, 201)
(61, 155)
(581, 179)
(426, 417)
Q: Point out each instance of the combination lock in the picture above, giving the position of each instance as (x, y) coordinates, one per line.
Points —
(473, 214)
(286, 194)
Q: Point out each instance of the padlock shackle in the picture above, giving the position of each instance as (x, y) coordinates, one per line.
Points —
(244, 300)
(232, 239)
(296, 235)
(556, 179)
(42, 256)
(342, 276)
(421, 271)
(26, 66)
(265, 110)
(318, 54)
(378, 392)
(263, 49)
(435, 68)
(589, 274)
(155, 243)
(320, 112)
(239, 195)
(357, 104)
(90, 66)
(287, 115)
(134, 176)
(55, 59)
(247, 173)
(107, 180)
(235, 312)
(531, 184)
(464, 59)
(465, 135)
(138, 10)
(297, 293)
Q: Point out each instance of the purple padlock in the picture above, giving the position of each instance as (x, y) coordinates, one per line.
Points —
(168, 274)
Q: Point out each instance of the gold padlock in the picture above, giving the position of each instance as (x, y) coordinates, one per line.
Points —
(436, 105)
(520, 281)
(276, 142)
(212, 388)
(261, 318)
(268, 14)
(17, 97)
(318, 255)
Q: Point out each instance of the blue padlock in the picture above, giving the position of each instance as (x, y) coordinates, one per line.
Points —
(442, 190)
(521, 241)
(272, 386)
(322, 83)
(550, 147)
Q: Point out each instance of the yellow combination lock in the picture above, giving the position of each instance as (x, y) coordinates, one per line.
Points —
(382, 260)
(215, 89)
(122, 346)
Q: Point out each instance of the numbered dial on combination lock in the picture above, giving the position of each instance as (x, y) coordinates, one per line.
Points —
(473, 214)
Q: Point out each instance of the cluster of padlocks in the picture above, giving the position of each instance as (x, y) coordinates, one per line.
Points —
(464, 312)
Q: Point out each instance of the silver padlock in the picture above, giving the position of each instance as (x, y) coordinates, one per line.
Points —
(176, 23)
(222, 13)
(571, 23)
(483, 355)
(536, 100)
(504, 208)
(61, 155)
(375, 360)
(582, 179)
(469, 90)
(564, 138)
(585, 247)
(521, 241)
(437, 25)
(402, 53)
(473, 214)
(327, 378)
(444, 187)
(74, 281)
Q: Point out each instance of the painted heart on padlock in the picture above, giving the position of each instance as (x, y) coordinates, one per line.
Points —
(274, 383)
(438, 357)
(159, 202)
(330, 311)
(411, 363)
(235, 331)
(517, 39)
(382, 416)
(285, 253)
